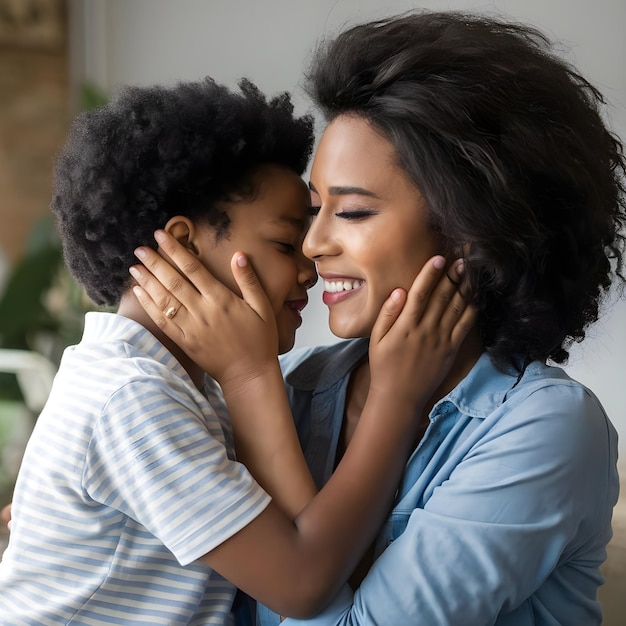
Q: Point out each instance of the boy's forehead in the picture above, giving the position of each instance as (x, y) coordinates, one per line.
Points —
(299, 223)
(283, 199)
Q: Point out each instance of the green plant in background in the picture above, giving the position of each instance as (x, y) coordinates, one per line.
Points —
(42, 308)
(92, 97)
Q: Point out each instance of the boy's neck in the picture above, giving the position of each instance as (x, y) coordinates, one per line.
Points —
(129, 307)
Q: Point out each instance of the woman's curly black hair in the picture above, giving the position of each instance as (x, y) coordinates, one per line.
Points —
(507, 144)
(155, 152)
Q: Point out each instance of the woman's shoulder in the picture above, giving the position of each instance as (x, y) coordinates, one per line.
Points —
(555, 386)
(551, 410)
(542, 402)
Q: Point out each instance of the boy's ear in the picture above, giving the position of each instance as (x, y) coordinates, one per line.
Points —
(182, 229)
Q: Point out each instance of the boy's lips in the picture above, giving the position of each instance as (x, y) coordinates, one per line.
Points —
(296, 307)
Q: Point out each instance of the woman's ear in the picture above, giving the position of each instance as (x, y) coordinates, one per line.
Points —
(182, 229)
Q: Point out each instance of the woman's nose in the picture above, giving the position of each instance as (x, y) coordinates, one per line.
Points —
(315, 241)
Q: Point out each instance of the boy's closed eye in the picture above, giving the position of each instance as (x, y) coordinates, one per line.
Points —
(285, 247)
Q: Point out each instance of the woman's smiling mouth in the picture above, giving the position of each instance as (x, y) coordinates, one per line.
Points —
(338, 289)
(334, 286)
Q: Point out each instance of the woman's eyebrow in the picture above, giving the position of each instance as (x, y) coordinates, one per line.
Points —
(347, 191)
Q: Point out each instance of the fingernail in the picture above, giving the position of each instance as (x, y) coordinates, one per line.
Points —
(242, 261)
(439, 262)
(459, 266)
(159, 235)
(396, 295)
(141, 253)
(134, 272)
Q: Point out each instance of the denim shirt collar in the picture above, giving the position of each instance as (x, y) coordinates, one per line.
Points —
(326, 366)
(483, 389)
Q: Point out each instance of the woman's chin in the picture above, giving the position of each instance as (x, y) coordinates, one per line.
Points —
(348, 330)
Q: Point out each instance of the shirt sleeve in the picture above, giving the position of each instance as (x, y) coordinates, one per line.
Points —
(158, 456)
(536, 490)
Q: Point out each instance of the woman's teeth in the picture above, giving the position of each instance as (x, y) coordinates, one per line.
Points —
(333, 286)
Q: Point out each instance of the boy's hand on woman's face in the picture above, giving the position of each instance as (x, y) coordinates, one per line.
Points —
(232, 338)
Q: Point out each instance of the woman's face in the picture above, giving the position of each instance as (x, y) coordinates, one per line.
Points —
(371, 233)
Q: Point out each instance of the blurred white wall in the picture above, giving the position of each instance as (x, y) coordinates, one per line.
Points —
(159, 41)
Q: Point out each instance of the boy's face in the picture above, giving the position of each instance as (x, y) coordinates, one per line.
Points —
(269, 229)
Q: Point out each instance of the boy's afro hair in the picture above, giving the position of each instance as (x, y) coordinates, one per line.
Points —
(155, 152)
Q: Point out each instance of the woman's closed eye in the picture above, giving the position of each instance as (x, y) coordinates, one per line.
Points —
(346, 214)
(356, 214)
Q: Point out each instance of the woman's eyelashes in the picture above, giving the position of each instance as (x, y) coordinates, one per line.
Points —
(356, 214)
(346, 214)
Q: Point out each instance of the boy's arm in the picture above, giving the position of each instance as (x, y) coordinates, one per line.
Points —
(269, 446)
(296, 566)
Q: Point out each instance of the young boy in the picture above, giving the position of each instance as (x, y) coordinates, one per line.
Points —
(129, 507)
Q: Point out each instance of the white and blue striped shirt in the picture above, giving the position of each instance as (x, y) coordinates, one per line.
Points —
(127, 480)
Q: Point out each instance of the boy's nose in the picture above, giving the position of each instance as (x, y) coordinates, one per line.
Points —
(308, 273)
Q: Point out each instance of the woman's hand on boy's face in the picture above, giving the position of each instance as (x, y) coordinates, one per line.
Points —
(418, 334)
(231, 337)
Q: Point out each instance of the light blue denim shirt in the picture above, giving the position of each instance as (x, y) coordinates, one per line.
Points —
(504, 511)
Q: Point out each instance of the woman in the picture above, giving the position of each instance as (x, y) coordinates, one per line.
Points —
(464, 135)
